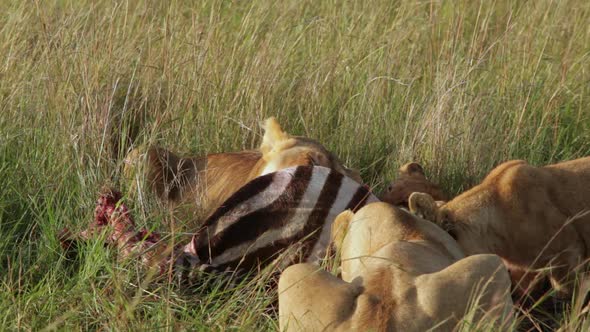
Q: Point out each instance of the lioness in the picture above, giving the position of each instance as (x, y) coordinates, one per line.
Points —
(411, 178)
(209, 180)
(532, 217)
(399, 273)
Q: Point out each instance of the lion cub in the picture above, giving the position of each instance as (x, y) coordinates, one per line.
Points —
(399, 273)
(411, 178)
(532, 217)
(207, 181)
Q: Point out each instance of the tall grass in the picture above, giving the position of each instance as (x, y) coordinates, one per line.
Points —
(456, 85)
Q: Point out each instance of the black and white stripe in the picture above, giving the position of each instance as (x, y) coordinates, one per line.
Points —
(274, 212)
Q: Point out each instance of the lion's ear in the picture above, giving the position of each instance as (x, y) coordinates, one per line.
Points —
(319, 159)
(423, 205)
(411, 169)
(273, 134)
(340, 228)
(132, 161)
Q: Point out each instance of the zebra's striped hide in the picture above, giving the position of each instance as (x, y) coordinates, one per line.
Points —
(292, 207)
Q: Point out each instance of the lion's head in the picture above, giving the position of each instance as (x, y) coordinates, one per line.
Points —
(411, 179)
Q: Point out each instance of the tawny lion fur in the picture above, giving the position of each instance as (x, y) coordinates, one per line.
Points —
(399, 273)
(207, 181)
(411, 178)
(532, 217)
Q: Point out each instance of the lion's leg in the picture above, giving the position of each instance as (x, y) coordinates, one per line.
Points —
(568, 250)
(311, 299)
(558, 246)
(563, 271)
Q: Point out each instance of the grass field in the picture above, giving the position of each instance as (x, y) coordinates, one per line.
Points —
(456, 85)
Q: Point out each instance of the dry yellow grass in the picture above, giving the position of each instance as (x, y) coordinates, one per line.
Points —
(458, 86)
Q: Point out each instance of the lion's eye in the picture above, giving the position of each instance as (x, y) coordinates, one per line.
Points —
(389, 188)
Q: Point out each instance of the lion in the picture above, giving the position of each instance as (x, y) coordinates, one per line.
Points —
(202, 183)
(411, 179)
(535, 218)
(399, 273)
